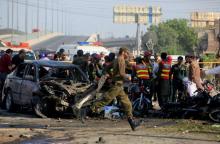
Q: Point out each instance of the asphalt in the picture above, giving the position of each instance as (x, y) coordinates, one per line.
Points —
(54, 43)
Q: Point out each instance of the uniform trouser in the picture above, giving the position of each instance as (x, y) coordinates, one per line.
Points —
(177, 86)
(163, 92)
(116, 91)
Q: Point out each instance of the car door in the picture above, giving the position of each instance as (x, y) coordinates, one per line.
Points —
(15, 82)
(29, 84)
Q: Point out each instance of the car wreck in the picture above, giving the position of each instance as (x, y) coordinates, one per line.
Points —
(50, 88)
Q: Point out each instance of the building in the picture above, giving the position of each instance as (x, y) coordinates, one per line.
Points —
(204, 19)
(125, 14)
(210, 43)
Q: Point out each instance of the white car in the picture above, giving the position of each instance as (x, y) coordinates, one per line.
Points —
(71, 50)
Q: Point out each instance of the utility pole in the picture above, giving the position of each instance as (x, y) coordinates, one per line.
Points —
(62, 22)
(45, 16)
(17, 16)
(57, 16)
(38, 11)
(138, 39)
(26, 19)
(52, 14)
(12, 20)
(8, 14)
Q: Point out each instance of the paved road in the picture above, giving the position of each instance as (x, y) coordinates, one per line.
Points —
(26, 129)
(54, 43)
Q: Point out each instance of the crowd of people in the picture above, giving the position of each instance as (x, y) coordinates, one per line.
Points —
(160, 73)
(164, 77)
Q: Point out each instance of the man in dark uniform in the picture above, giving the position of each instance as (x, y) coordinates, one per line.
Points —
(117, 89)
(178, 71)
(19, 58)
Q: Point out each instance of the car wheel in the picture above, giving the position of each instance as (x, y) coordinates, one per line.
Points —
(40, 107)
(215, 115)
(9, 103)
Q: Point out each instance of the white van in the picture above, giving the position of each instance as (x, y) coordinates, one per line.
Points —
(71, 50)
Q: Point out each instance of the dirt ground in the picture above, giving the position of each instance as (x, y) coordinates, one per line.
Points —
(27, 129)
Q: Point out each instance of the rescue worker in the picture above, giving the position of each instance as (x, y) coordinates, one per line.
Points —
(144, 74)
(163, 80)
(117, 91)
(178, 72)
(194, 72)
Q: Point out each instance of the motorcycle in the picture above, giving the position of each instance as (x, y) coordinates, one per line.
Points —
(204, 103)
(139, 95)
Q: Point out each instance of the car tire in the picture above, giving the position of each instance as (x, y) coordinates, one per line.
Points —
(8, 102)
(214, 115)
(40, 107)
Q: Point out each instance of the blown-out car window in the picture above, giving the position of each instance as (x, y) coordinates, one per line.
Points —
(77, 76)
(20, 70)
(30, 71)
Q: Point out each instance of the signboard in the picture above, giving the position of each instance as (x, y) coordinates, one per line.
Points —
(125, 14)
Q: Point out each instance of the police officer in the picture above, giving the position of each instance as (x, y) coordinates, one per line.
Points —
(117, 91)
(178, 72)
(163, 80)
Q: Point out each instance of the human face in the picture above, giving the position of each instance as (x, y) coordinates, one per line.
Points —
(180, 61)
(126, 54)
(23, 55)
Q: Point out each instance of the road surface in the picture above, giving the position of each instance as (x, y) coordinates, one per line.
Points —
(27, 129)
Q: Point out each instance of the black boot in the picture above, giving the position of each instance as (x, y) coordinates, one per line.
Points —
(134, 124)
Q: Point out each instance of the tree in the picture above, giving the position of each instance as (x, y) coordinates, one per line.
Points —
(174, 36)
(149, 40)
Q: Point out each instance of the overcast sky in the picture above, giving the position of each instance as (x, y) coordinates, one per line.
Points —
(84, 17)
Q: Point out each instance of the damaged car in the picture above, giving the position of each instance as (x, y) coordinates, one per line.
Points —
(50, 88)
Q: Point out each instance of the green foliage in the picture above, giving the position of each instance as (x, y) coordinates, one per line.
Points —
(174, 36)
(209, 58)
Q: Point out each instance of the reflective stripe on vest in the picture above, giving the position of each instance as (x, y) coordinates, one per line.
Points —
(166, 71)
(142, 72)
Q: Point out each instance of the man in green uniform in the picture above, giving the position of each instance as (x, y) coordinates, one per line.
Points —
(117, 90)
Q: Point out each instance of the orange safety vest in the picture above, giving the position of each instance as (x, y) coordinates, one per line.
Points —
(142, 71)
(165, 74)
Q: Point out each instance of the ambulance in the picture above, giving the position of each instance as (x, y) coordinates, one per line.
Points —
(30, 55)
(87, 47)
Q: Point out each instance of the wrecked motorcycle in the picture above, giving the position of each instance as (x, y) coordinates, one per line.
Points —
(205, 104)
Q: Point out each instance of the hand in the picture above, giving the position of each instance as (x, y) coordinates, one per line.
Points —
(129, 78)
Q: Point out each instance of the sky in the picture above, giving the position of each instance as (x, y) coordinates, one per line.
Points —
(84, 17)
